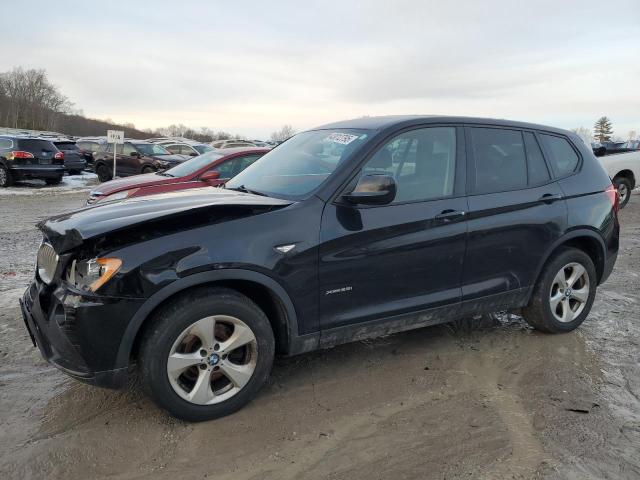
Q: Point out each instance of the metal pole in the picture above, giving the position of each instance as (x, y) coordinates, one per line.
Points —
(114, 159)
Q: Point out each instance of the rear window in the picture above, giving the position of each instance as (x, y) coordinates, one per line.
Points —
(35, 146)
(500, 160)
(66, 146)
(563, 158)
(536, 166)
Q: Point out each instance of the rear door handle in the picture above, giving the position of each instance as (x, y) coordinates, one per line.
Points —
(550, 197)
(447, 216)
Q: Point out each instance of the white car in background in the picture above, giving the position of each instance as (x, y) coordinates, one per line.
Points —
(623, 169)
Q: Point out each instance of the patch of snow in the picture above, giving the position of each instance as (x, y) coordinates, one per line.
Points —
(69, 184)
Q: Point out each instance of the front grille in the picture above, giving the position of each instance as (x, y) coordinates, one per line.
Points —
(47, 262)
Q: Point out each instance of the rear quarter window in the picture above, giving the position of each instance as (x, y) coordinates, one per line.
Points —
(562, 157)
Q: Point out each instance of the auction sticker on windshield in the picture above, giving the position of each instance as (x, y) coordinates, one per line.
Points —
(341, 138)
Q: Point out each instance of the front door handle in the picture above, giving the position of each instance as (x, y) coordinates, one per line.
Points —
(447, 216)
(550, 197)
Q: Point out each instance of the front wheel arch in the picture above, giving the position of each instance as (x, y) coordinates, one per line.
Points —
(281, 314)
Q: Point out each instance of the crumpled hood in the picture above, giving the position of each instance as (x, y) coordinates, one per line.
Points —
(69, 230)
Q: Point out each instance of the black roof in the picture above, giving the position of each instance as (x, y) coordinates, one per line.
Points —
(383, 122)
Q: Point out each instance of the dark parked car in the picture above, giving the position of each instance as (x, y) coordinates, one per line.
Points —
(211, 169)
(352, 230)
(23, 158)
(615, 147)
(75, 160)
(90, 147)
(133, 158)
(599, 150)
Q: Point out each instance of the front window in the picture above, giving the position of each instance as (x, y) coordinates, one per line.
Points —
(193, 165)
(300, 165)
(151, 149)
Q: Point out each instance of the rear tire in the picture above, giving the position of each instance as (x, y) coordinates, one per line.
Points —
(624, 187)
(103, 172)
(6, 179)
(53, 181)
(220, 333)
(564, 294)
(75, 172)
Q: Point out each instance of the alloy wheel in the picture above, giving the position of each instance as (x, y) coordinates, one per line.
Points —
(3, 177)
(623, 191)
(212, 360)
(569, 292)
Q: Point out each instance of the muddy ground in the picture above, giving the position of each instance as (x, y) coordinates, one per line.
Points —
(487, 399)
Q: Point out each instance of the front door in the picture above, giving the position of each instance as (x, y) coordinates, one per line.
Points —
(381, 261)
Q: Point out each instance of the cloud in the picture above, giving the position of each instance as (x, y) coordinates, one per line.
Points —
(251, 67)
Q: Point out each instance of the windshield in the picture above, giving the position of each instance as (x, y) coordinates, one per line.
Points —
(194, 164)
(298, 166)
(203, 148)
(151, 149)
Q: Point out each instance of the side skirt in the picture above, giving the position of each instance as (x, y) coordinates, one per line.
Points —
(409, 321)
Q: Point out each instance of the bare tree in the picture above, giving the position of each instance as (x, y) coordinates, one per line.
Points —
(285, 132)
(584, 133)
(29, 100)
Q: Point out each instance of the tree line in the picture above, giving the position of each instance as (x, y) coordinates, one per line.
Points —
(603, 132)
(30, 101)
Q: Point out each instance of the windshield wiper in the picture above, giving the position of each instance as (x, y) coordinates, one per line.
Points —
(244, 189)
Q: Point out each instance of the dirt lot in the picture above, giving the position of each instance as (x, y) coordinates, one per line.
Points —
(487, 399)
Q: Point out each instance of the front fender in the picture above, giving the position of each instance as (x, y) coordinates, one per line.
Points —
(137, 321)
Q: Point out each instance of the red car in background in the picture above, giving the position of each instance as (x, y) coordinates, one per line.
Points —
(211, 169)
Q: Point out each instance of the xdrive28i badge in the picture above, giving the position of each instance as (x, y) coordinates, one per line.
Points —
(339, 290)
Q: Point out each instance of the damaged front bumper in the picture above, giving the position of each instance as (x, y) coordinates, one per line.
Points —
(78, 332)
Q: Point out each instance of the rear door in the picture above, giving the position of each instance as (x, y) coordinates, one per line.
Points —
(516, 211)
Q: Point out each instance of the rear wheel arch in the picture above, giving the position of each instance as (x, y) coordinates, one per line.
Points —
(584, 240)
(628, 174)
(265, 292)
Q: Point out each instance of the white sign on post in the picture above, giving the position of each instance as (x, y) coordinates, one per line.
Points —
(116, 137)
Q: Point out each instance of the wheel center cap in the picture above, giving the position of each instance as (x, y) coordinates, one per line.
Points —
(213, 359)
(567, 292)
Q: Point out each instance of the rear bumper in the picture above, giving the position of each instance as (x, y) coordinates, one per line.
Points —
(78, 334)
(75, 165)
(44, 171)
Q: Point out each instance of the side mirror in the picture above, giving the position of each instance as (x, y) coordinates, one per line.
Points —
(134, 154)
(373, 190)
(210, 177)
(194, 154)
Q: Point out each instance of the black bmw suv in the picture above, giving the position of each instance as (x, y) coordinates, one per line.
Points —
(352, 230)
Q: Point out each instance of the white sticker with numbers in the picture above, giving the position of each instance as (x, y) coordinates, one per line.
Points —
(341, 138)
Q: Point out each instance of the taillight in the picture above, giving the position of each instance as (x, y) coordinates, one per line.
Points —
(20, 154)
(59, 156)
(614, 197)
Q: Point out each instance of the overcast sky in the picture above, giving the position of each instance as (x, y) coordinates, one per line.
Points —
(251, 66)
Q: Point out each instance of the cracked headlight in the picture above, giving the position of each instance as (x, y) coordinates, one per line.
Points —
(92, 274)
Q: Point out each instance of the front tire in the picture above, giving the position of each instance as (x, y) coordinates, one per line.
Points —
(564, 294)
(103, 172)
(206, 354)
(624, 187)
